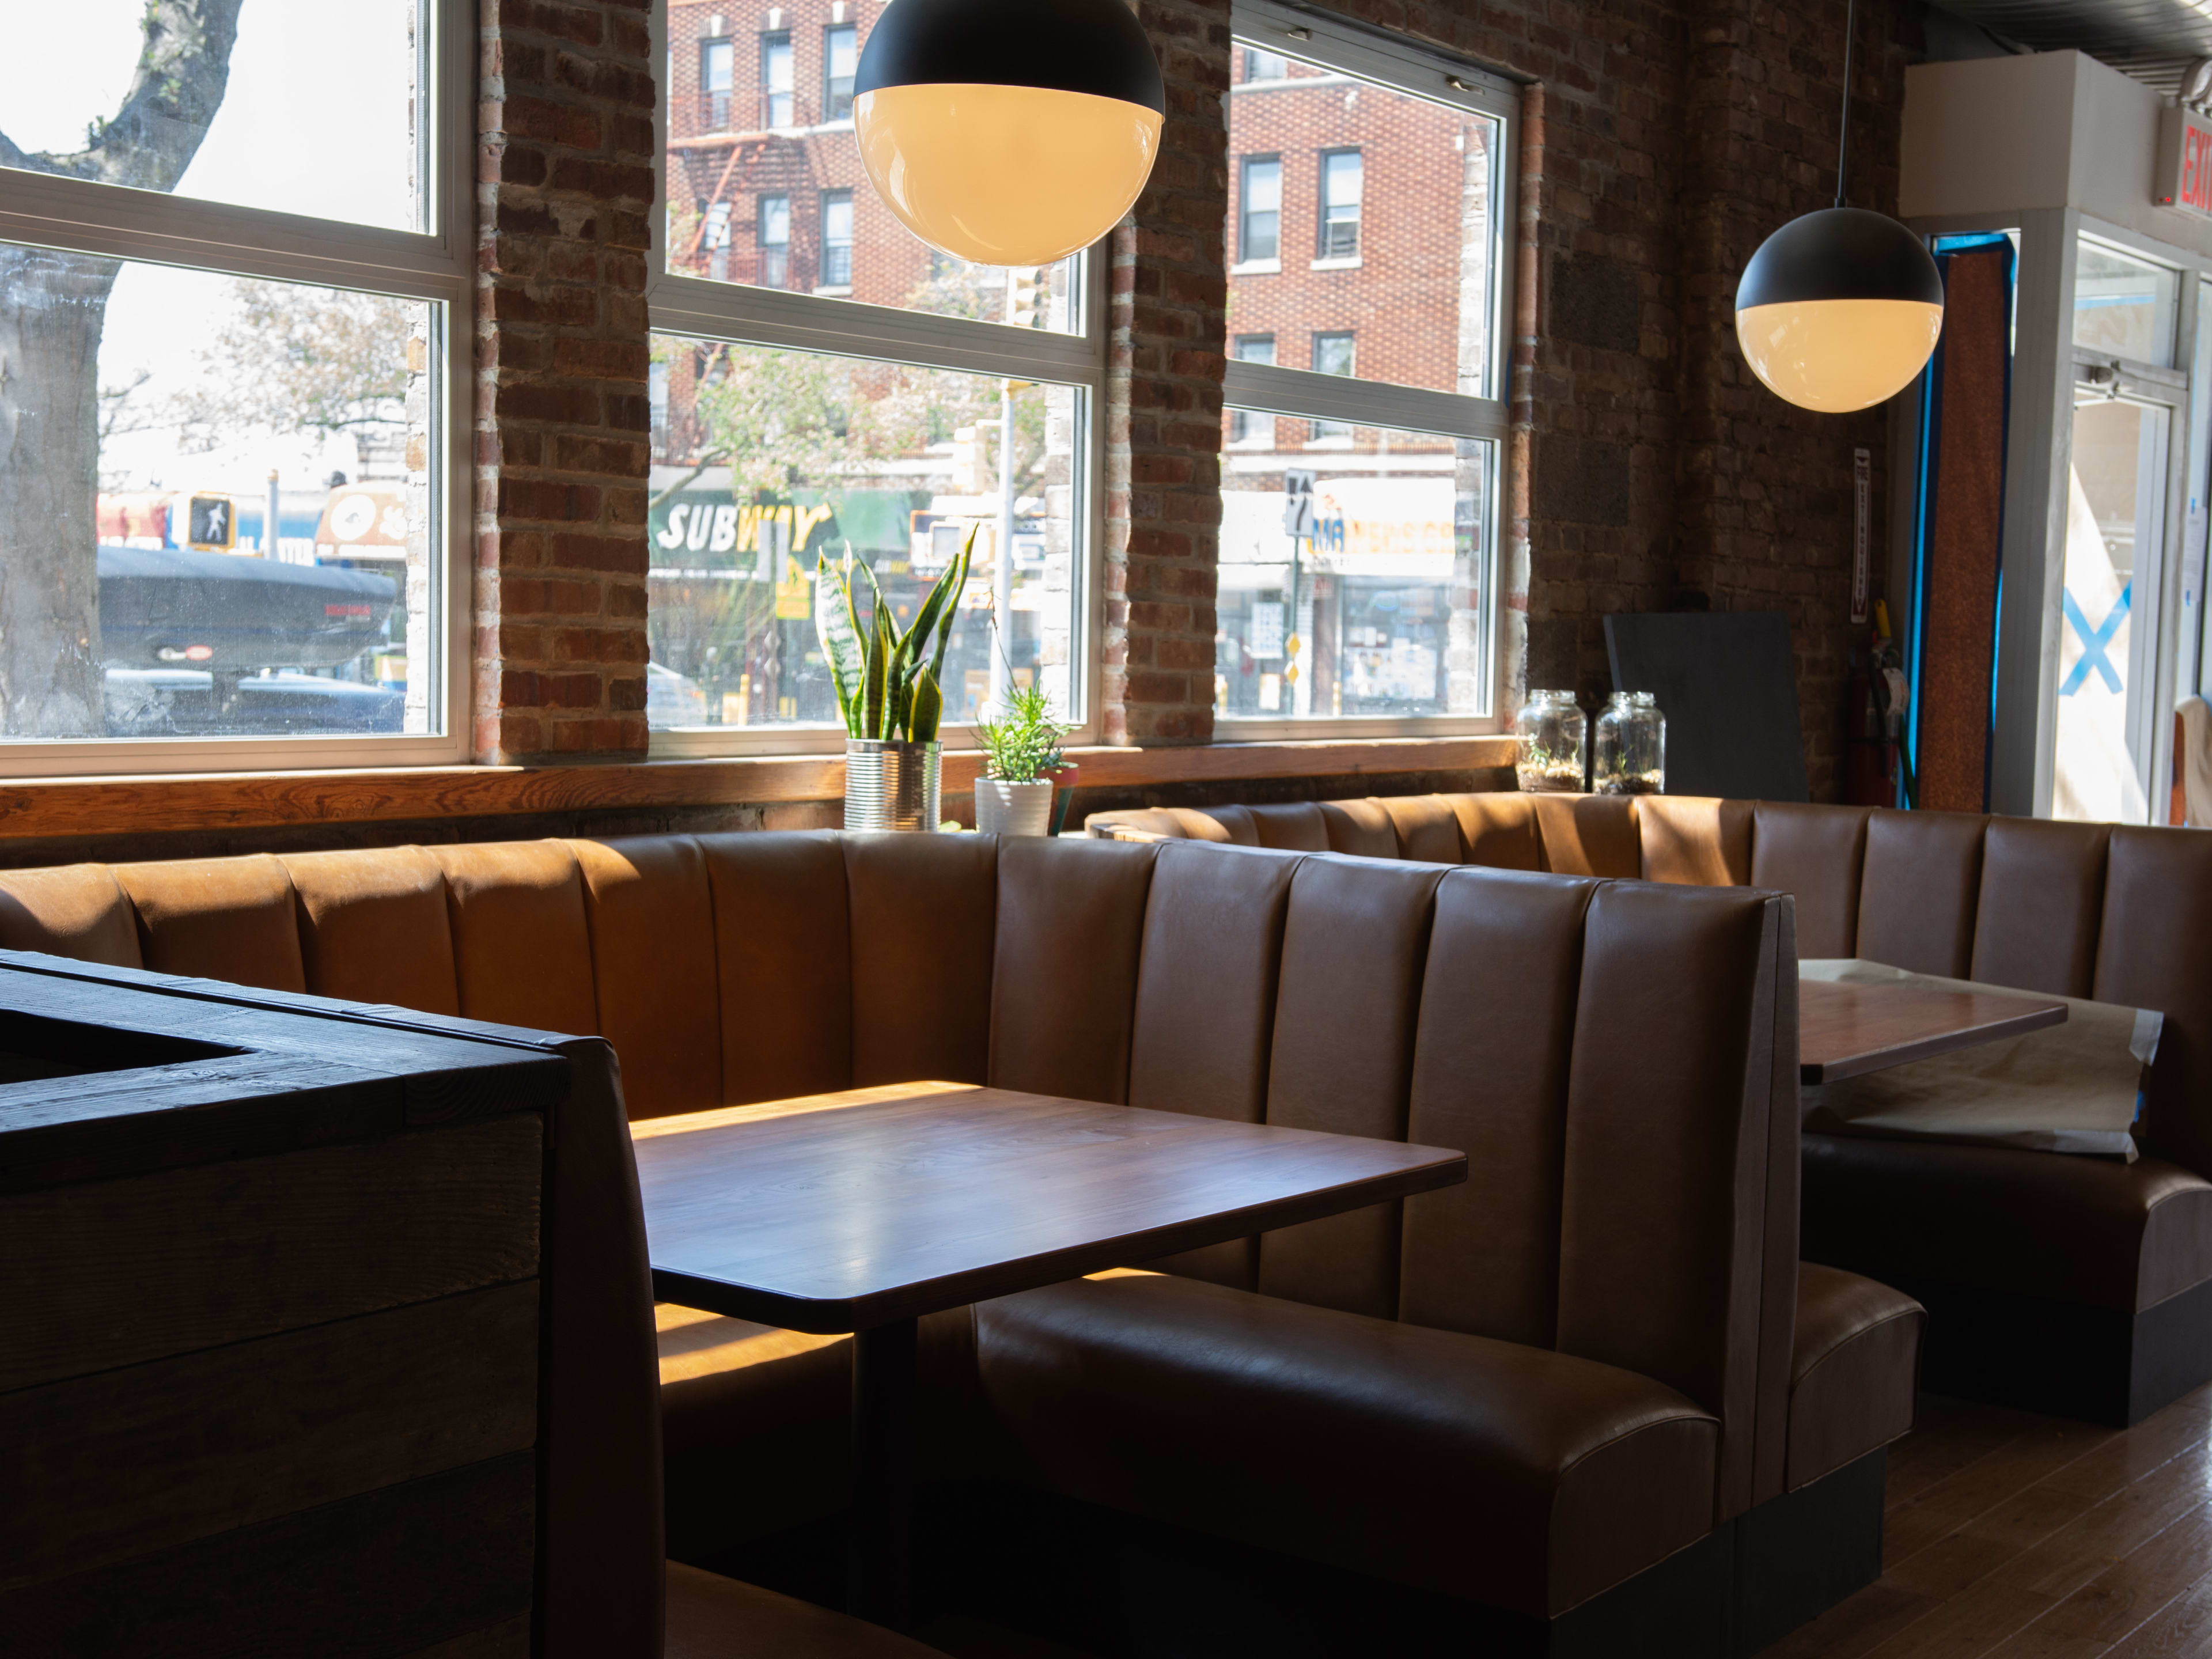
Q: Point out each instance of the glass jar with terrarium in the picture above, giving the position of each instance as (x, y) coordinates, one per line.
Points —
(1631, 756)
(1555, 743)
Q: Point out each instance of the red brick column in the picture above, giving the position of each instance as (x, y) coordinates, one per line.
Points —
(1165, 349)
(565, 190)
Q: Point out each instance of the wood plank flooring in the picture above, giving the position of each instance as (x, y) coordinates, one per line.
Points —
(2014, 1536)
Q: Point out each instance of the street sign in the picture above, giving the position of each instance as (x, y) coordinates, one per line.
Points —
(1297, 501)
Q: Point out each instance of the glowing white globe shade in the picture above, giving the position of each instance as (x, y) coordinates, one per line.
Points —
(1838, 310)
(1008, 132)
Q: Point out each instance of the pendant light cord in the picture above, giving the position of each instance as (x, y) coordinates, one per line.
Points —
(1843, 128)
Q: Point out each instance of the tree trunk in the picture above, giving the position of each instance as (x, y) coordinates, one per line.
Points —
(51, 309)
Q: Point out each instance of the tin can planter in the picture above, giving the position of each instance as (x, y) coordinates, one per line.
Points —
(1013, 809)
(891, 785)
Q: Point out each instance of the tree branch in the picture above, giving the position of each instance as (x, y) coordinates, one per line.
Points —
(184, 68)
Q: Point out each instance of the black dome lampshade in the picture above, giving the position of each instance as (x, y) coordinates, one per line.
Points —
(1008, 132)
(1839, 309)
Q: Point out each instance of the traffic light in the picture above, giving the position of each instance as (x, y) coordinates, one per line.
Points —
(1025, 296)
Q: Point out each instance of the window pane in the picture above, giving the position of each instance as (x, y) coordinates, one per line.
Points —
(149, 594)
(273, 140)
(837, 239)
(1264, 65)
(1261, 202)
(840, 56)
(2124, 305)
(1432, 266)
(1339, 205)
(781, 122)
(1378, 607)
(1245, 428)
(765, 459)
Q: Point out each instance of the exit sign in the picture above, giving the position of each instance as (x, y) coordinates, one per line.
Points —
(2183, 176)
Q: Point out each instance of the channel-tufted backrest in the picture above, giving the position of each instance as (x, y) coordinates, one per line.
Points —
(2075, 909)
(1608, 1053)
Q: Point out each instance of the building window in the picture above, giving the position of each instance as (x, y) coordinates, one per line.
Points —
(776, 113)
(714, 238)
(837, 239)
(1339, 204)
(848, 414)
(717, 70)
(228, 545)
(773, 230)
(1260, 65)
(1365, 463)
(840, 52)
(1260, 209)
(1332, 355)
(1243, 426)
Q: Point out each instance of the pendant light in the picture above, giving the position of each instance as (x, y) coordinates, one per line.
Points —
(1839, 309)
(1008, 132)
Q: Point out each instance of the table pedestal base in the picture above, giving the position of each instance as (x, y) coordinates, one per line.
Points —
(881, 1510)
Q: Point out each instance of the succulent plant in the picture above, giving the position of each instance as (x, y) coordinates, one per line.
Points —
(886, 691)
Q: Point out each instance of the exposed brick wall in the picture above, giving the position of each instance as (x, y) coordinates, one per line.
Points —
(1169, 294)
(565, 191)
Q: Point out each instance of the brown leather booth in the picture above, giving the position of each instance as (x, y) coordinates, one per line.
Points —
(2075, 1284)
(1589, 1390)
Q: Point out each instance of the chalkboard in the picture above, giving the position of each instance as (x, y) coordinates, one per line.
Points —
(1727, 682)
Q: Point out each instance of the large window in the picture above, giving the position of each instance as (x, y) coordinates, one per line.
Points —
(717, 72)
(236, 404)
(889, 404)
(1361, 487)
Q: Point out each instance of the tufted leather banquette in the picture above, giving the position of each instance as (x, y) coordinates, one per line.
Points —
(1522, 1392)
(2097, 1256)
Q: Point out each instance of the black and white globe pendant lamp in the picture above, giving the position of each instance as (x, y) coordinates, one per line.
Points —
(1840, 309)
(1008, 132)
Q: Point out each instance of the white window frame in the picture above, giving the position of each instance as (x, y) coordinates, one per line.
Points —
(45, 210)
(698, 308)
(1355, 52)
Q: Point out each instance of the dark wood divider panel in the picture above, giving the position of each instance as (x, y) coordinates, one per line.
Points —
(268, 1281)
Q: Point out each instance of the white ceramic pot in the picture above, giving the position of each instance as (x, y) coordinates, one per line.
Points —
(1012, 809)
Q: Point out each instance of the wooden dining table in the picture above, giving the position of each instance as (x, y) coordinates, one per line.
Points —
(863, 1211)
(1849, 1028)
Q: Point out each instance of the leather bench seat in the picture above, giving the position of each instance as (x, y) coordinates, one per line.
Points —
(2122, 1235)
(1492, 1471)
(1854, 1370)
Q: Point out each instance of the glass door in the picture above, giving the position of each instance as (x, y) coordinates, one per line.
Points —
(2109, 629)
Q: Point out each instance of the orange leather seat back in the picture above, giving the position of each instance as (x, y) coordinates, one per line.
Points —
(76, 910)
(1814, 854)
(783, 950)
(522, 949)
(1694, 840)
(1589, 835)
(1355, 937)
(2042, 899)
(1071, 921)
(924, 915)
(373, 927)
(651, 918)
(1920, 885)
(227, 919)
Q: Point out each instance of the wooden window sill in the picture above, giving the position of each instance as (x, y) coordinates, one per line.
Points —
(39, 808)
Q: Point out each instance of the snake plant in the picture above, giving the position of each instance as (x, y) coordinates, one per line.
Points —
(886, 691)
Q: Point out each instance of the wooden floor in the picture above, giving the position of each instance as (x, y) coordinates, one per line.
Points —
(2009, 1535)
(2022, 1537)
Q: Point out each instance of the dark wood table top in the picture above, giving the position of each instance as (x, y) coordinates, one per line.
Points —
(1846, 1030)
(841, 1213)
